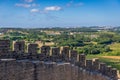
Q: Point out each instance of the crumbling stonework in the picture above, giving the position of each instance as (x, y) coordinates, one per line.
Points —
(57, 66)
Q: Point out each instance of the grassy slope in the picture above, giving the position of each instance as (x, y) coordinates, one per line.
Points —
(114, 62)
(111, 58)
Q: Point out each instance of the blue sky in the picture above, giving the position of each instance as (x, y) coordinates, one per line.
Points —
(59, 13)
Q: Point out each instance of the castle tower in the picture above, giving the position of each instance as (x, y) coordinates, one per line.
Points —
(19, 46)
(4, 47)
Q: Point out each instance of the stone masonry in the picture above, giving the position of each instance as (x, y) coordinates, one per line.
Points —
(57, 65)
(32, 49)
(19, 46)
(4, 47)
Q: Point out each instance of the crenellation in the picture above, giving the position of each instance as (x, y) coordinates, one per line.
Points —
(45, 53)
(32, 49)
(4, 48)
(108, 71)
(96, 64)
(82, 60)
(73, 56)
(65, 53)
(50, 66)
(114, 73)
(102, 68)
(88, 65)
(45, 50)
(19, 46)
(55, 54)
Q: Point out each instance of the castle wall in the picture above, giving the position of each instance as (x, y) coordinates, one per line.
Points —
(67, 65)
(26, 70)
(13, 70)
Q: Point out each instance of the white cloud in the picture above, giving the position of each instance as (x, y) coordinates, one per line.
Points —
(52, 8)
(23, 5)
(46, 9)
(29, 1)
(34, 10)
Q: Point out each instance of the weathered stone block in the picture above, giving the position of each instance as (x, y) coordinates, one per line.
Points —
(88, 65)
(114, 73)
(55, 54)
(108, 71)
(4, 47)
(45, 50)
(82, 60)
(65, 54)
(96, 64)
(32, 49)
(102, 68)
(19, 46)
(73, 56)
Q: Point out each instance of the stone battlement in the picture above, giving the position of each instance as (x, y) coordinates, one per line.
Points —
(53, 63)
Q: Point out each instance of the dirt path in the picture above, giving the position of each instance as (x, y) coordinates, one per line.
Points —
(112, 57)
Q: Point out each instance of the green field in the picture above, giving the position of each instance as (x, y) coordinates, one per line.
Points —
(114, 62)
(111, 58)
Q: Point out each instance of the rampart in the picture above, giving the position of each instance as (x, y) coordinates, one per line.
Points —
(53, 63)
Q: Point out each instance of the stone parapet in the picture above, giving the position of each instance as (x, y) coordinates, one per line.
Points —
(4, 47)
(57, 65)
(19, 46)
(32, 49)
